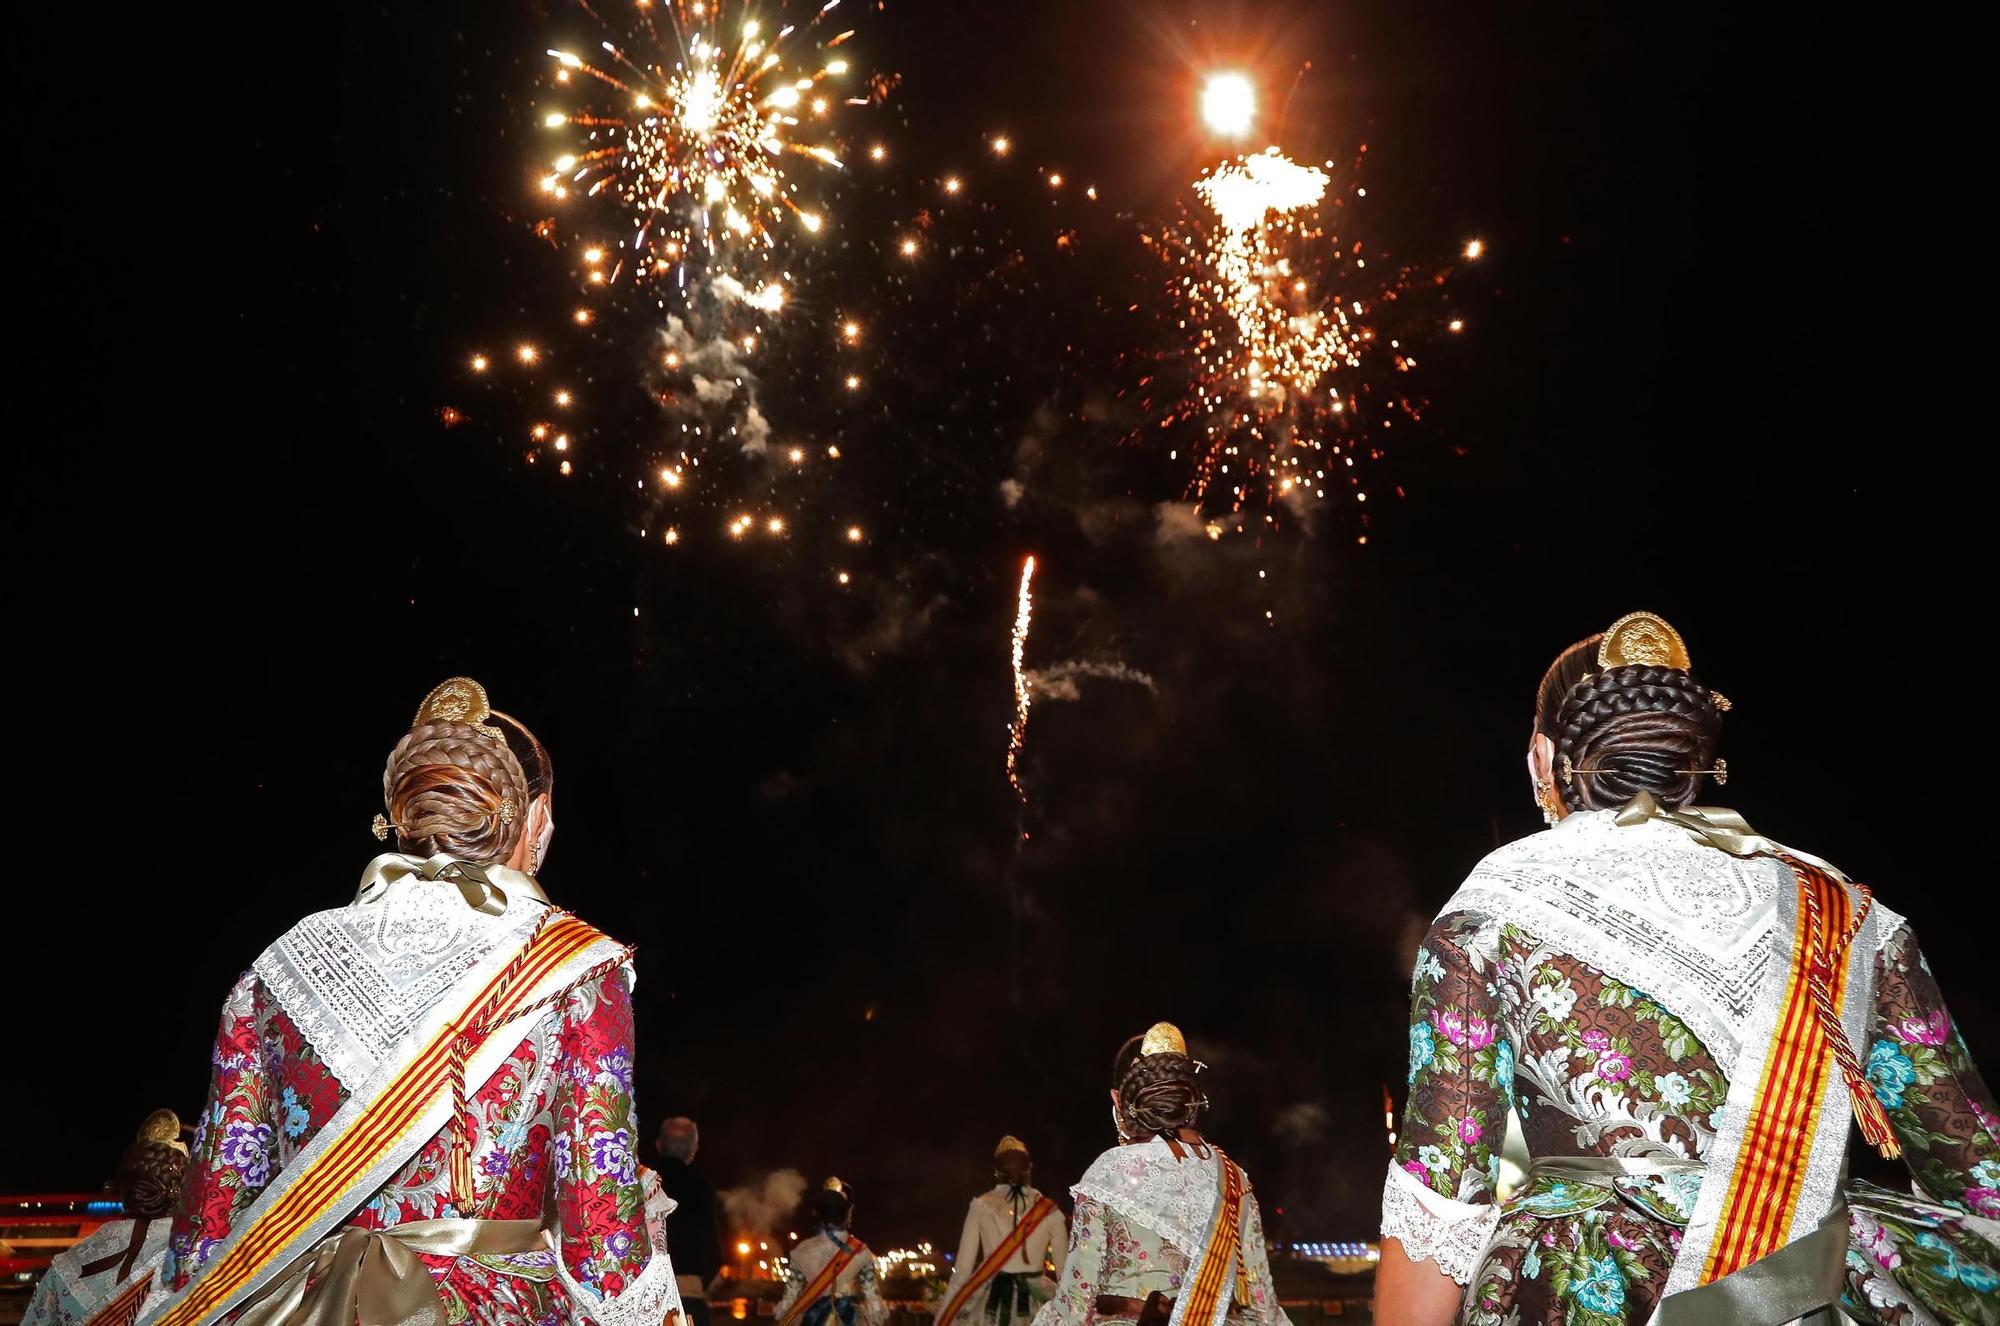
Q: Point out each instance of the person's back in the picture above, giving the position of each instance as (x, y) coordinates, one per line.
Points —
(432, 1078)
(1642, 984)
(694, 1230)
(1166, 1227)
(831, 1276)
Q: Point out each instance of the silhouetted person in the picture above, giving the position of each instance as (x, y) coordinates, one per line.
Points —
(694, 1230)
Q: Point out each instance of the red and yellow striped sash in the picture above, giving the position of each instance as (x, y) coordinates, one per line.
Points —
(822, 1284)
(1770, 1168)
(326, 1181)
(122, 1308)
(1030, 1221)
(1199, 1303)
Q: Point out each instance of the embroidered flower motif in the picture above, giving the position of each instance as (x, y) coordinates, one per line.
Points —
(245, 1150)
(296, 1117)
(1503, 1067)
(1871, 1238)
(1556, 998)
(496, 1163)
(611, 1155)
(1675, 1090)
(1601, 1288)
(563, 1157)
(1987, 1173)
(1890, 1072)
(1428, 968)
(1422, 1049)
(1531, 1265)
(615, 1070)
(1433, 1159)
(1931, 1030)
(1450, 1024)
(1416, 1170)
(619, 1244)
(1614, 1067)
(1984, 1201)
(1596, 1038)
(1469, 1131)
(1479, 1033)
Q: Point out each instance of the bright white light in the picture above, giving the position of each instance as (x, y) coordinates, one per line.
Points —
(1228, 104)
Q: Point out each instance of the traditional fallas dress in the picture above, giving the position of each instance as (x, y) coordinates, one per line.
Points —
(997, 1277)
(1181, 1222)
(103, 1278)
(831, 1280)
(1645, 989)
(422, 1104)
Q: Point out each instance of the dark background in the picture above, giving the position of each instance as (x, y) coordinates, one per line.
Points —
(1706, 374)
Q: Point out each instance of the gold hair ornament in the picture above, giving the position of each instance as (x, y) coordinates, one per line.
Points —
(382, 826)
(1010, 1143)
(835, 1185)
(1643, 638)
(1720, 773)
(1162, 1038)
(457, 700)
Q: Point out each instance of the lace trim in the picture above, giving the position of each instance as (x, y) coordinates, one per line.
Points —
(1647, 904)
(1454, 1235)
(355, 980)
(645, 1301)
(1146, 1185)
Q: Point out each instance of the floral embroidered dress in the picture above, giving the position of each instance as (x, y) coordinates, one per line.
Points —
(1142, 1215)
(1595, 978)
(856, 1299)
(66, 1295)
(553, 1136)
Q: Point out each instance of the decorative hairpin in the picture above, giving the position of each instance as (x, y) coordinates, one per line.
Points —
(1720, 773)
(1723, 704)
(382, 827)
(506, 810)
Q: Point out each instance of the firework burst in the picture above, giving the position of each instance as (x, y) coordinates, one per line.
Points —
(1290, 351)
(692, 122)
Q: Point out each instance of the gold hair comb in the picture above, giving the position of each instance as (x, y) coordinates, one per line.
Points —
(382, 827)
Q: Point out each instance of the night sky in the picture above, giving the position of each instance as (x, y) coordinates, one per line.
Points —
(1698, 377)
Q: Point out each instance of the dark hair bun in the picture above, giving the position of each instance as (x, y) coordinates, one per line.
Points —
(1632, 729)
(149, 1178)
(1157, 1092)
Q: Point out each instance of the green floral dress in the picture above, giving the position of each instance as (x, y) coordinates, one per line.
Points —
(1501, 1017)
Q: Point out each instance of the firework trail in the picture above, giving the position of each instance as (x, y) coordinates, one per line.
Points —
(1017, 731)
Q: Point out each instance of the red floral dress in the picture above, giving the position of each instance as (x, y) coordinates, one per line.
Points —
(555, 1135)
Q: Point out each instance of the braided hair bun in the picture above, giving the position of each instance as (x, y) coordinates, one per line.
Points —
(1156, 1092)
(456, 788)
(149, 1178)
(1632, 729)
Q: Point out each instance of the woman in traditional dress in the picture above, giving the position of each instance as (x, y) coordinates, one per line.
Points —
(1166, 1228)
(422, 1101)
(116, 1266)
(1672, 1005)
(831, 1278)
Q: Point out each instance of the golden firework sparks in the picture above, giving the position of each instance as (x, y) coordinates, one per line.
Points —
(692, 125)
(1017, 732)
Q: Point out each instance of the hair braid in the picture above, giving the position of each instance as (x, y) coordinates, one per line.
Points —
(1632, 729)
(456, 788)
(1157, 1094)
(149, 1178)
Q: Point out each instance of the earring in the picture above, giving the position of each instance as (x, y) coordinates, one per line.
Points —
(1546, 799)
